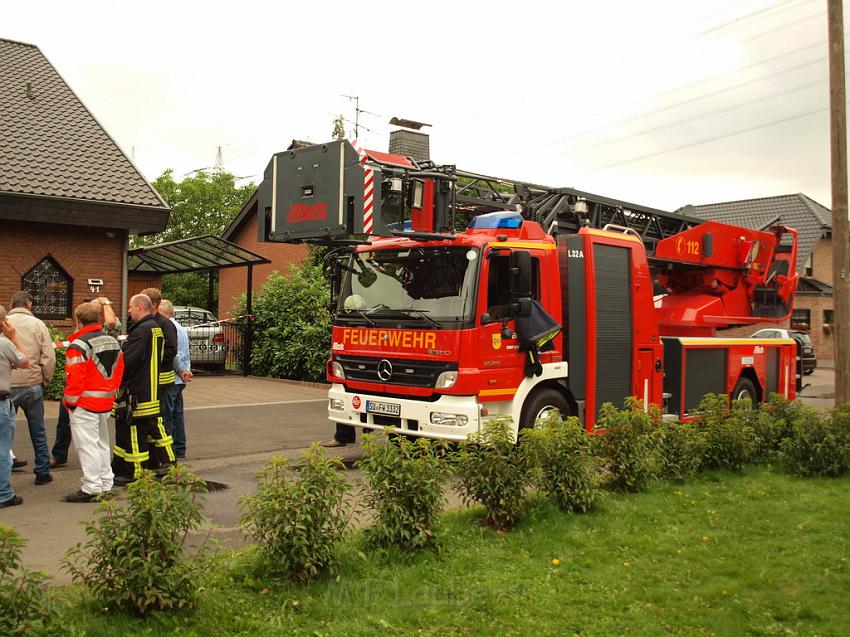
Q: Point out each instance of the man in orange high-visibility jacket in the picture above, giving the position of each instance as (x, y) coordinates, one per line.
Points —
(94, 366)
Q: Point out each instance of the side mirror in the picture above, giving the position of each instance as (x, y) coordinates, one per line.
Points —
(486, 319)
(520, 274)
(522, 308)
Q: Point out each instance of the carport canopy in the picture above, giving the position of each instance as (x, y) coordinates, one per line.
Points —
(204, 253)
(197, 254)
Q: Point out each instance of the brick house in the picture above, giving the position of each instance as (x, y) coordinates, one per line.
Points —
(69, 197)
(813, 222)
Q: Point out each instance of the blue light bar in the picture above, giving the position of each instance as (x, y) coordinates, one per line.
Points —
(494, 220)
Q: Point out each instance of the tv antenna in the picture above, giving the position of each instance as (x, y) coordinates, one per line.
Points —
(357, 111)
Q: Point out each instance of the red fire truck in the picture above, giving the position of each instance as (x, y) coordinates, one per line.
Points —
(458, 297)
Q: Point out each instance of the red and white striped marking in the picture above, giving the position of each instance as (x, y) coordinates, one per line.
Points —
(368, 189)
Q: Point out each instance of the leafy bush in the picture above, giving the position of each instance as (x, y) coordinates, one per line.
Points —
(819, 445)
(629, 444)
(494, 472)
(292, 327)
(682, 449)
(569, 472)
(25, 604)
(729, 438)
(134, 558)
(403, 486)
(297, 516)
(773, 426)
(56, 387)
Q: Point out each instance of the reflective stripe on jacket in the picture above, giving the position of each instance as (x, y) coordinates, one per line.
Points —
(94, 366)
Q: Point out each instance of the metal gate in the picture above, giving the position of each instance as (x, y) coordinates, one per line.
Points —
(222, 348)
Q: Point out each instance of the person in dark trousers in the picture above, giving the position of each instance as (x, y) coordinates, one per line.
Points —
(167, 391)
(137, 408)
(111, 327)
(345, 435)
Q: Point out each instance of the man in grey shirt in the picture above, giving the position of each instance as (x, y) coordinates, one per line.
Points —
(11, 355)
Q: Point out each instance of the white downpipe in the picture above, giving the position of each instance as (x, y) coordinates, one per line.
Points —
(646, 395)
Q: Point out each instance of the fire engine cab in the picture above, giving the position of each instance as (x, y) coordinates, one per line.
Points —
(451, 307)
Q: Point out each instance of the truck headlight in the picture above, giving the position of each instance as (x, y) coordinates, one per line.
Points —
(446, 380)
(448, 420)
(337, 371)
(337, 404)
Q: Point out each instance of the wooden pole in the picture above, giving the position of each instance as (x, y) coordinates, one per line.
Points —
(840, 223)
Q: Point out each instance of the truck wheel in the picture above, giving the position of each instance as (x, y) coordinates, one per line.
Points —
(744, 388)
(541, 403)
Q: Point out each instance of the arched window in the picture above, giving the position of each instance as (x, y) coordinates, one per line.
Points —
(51, 289)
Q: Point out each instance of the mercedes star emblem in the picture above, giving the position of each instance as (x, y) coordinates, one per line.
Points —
(385, 370)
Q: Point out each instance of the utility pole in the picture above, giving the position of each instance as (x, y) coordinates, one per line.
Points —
(840, 222)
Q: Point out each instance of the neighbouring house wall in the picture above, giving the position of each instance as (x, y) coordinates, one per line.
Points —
(232, 282)
(83, 253)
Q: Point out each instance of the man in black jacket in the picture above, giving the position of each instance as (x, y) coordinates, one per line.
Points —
(167, 390)
(137, 408)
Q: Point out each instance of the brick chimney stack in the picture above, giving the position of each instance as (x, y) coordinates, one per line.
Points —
(409, 140)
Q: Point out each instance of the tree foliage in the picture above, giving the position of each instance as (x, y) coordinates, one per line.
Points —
(292, 327)
(202, 203)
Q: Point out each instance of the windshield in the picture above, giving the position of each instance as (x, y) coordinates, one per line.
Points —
(430, 284)
(188, 318)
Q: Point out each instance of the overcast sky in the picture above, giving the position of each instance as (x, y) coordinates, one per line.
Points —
(658, 102)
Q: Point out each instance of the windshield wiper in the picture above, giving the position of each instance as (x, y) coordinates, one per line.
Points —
(424, 315)
(363, 316)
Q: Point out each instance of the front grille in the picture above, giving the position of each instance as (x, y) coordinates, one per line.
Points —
(410, 373)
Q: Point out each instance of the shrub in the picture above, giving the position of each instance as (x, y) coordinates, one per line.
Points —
(297, 516)
(403, 486)
(629, 444)
(569, 472)
(494, 472)
(134, 558)
(292, 325)
(819, 445)
(56, 388)
(25, 604)
(682, 449)
(773, 426)
(729, 438)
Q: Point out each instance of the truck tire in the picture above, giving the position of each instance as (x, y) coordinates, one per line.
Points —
(541, 402)
(744, 388)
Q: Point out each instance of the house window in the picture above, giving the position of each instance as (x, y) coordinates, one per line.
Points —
(801, 320)
(807, 267)
(827, 317)
(51, 289)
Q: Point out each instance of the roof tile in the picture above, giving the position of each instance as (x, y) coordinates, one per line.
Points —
(51, 145)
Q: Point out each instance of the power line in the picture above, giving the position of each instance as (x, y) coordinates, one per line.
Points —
(709, 139)
(690, 38)
(687, 120)
(698, 98)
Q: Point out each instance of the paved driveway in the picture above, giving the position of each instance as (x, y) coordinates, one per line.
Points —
(234, 425)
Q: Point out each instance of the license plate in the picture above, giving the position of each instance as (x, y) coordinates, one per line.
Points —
(390, 409)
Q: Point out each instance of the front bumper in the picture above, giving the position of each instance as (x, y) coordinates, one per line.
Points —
(415, 416)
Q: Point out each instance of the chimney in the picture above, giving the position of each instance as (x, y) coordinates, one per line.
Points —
(409, 141)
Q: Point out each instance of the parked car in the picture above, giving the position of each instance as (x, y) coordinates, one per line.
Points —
(805, 349)
(207, 345)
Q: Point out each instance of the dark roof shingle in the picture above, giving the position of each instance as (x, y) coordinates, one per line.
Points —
(809, 218)
(51, 145)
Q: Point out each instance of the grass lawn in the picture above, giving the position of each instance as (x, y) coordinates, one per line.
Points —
(761, 553)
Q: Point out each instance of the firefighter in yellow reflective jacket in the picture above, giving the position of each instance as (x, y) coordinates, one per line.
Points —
(164, 442)
(137, 409)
